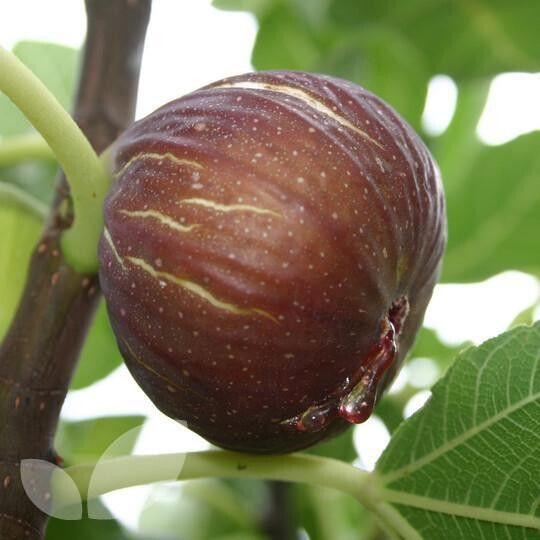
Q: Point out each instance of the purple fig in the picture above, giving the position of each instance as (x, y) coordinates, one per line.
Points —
(271, 243)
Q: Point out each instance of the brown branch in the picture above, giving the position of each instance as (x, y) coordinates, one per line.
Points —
(40, 350)
(277, 522)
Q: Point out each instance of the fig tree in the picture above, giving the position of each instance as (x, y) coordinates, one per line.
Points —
(271, 242)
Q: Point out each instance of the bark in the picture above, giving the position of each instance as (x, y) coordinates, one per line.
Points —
(40, 350)
(278, 523)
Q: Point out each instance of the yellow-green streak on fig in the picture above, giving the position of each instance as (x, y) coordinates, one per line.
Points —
(195, 288)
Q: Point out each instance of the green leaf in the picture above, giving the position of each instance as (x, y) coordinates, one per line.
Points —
(385, 63)
(86, 441)
(461, 39)
(239, 536)
(468, 463)
(458, 147)
(255, 6)
(56, 66)
(20, 231)
(314, 10)
(100, 354)
(492, 195)
(493, 212)
(285, 41)
(465, 40)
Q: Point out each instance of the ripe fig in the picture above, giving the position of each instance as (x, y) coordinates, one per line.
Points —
(271, 243)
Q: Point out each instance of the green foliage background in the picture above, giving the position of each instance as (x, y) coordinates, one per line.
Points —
(393, 48)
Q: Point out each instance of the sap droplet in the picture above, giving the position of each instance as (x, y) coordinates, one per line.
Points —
(314, 418)
(356, 407)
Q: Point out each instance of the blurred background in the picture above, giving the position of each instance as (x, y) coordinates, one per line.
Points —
(464, 75)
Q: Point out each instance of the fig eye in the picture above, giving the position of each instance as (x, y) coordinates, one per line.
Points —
(271, 243)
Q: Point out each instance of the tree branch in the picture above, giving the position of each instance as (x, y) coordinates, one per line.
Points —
(39, 353)
(277, 521)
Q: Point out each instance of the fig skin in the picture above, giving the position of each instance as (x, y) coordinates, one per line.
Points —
(271, 243)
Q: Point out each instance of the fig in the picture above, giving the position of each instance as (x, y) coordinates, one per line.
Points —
(271, 242)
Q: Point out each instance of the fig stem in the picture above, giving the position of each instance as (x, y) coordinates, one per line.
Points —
(84, 171)
(13, 194)
(19, 148)
(127, 471)
(94, 480)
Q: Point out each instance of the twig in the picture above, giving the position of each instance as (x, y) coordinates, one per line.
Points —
(40, 350)
(277, 520)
